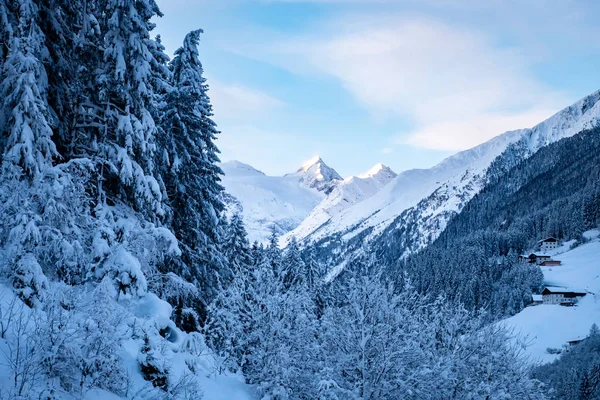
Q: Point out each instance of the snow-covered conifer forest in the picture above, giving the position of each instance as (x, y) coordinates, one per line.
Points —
(127, 272)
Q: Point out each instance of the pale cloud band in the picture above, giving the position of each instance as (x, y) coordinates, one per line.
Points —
(238, 102)
(457, 134)
(455, 87)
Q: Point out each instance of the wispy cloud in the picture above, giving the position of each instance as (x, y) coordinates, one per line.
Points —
(233, 101)
(455, 85)
(454, 134)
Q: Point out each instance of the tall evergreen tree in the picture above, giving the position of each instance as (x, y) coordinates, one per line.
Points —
(190, 171)
(313, 269)
(8, 28)
(89, 106)
(237, 248)
(27, 137)
(293, 268)
(273, 253)
(60, 22)
(128, 143)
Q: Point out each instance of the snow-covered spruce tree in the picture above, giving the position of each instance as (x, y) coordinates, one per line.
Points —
(153, 367)
(26, 143)
(6, 34)
(127, 144)
(314, 272)
(27, 151)
(29, 280)
(273, 253)
(292, 266)
(230, 319)
(257, 254)
(189, 168)
(88, 127)
(236, 247)
(230, 314)
(60, 21)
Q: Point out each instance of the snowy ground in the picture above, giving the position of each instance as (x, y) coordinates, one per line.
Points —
(552, 326)
(148, 311)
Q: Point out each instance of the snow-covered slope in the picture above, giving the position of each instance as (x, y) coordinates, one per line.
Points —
(552, 326)
(348, 192)
(441, 191)
(404, 191)
(277, 203)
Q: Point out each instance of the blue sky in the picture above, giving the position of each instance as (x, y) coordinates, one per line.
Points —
(403, 82)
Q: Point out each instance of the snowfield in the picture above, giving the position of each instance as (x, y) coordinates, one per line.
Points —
(552, 326)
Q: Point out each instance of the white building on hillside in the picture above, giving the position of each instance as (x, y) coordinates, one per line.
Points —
(548, 244)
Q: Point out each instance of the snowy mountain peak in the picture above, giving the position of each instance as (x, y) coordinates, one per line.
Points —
(378, 170)
(346, 193)
(315, 174)
(317, 168)
(310, 162)
(266, 203)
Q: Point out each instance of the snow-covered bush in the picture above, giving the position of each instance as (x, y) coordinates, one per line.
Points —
(122, 268)
(19, 355)
(78, 338)
(125, 250)
(153, 365)
(185, 388)
(29, 280)
(194, 344)
(171, 287)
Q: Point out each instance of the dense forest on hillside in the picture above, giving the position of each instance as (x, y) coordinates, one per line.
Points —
(555, 193)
